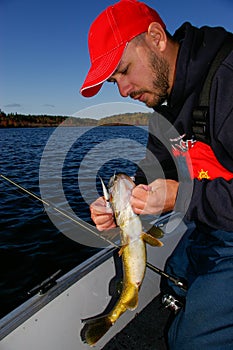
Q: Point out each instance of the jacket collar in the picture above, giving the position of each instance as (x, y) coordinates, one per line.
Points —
(198, 46)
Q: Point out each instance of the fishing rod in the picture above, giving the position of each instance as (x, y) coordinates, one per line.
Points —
(177, 281)
(61, 212)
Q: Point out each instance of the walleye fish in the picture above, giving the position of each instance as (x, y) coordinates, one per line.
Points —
(133, 252)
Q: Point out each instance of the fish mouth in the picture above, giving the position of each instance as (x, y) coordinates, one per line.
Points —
(112, 181)
(119, 177)
(120, 190)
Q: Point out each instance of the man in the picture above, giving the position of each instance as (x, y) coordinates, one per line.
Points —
(130, 46)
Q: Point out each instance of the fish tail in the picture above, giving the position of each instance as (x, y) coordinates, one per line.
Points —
(94, 329)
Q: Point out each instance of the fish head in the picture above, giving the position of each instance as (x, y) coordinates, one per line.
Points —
(120, 189)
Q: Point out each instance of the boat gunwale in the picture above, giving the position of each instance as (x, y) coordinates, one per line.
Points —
(26, 310)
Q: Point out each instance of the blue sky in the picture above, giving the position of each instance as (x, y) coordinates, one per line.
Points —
(44, 56)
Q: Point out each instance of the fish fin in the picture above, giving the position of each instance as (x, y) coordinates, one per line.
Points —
(94, 329)
(155, 231)
(122, 249)
(153, 241)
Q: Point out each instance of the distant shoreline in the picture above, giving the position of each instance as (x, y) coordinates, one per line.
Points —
(41, 121)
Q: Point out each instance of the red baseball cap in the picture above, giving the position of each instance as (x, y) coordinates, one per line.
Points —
(108, 37)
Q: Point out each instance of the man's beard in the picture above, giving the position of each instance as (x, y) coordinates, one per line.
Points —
(160, 72)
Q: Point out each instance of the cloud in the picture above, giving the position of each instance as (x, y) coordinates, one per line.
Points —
(49, 105)
(13, 105)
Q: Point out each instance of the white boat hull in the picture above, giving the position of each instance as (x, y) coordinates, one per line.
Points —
(53, 321)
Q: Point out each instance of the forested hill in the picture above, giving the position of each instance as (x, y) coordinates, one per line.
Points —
(127, 118)
(23, 121)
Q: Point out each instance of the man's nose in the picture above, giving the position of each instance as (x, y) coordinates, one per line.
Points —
(124, 87)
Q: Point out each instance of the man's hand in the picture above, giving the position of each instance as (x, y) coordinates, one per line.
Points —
(102, 215)
(155, 198)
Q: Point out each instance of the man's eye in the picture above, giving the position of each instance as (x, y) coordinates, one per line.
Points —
(124, 71)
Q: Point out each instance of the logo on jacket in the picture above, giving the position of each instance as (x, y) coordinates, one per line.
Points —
(180, 146)
(203, 175)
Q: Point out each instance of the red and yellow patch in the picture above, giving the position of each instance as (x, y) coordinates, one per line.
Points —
(203, 175)
(203, 163)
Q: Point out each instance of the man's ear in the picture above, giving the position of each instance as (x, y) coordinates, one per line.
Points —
(157, 36)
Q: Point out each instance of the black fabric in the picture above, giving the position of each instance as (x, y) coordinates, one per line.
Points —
(211, 201)
(200, 113)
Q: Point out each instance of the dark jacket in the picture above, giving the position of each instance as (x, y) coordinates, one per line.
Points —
(211, 201)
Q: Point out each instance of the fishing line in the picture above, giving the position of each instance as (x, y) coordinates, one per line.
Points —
(175, 280)
(24, 189)
(61, 212)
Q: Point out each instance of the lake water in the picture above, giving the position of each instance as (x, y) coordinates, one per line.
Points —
(61, 165)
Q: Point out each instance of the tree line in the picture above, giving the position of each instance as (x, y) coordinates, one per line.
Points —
(16, 120)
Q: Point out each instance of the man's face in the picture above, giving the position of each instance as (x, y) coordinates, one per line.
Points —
(142, 75)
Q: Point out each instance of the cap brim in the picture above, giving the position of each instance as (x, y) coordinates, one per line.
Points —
(101, 69)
